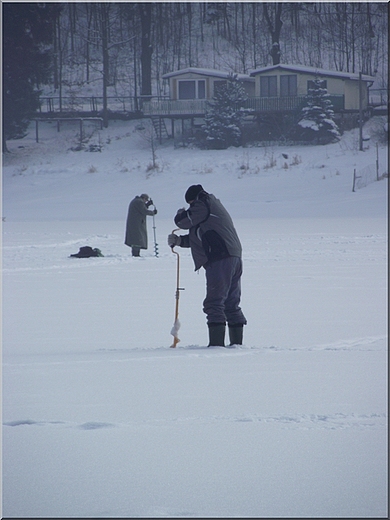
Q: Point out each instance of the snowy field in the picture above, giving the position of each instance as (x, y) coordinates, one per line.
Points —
(102, 419)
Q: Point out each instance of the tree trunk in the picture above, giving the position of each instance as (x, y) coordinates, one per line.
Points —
(89, 11)
(145, 11)
(60, 61)
(104, 21)
(55, 53)
(5, 149)
(189, 16)
(201, 20)
(254, 34)
(275, 28)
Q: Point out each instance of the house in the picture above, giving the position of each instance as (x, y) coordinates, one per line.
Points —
(190, 89)
(273, 92)
(283, 87)
(196, 83)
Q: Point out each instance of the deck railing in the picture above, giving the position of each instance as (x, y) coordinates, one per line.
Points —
(93, 104)
(275, 104)
(169, 107)
(197, 107)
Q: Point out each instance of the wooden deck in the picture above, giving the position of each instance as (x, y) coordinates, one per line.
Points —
(164, 107)
(257, 105)
(169, 107)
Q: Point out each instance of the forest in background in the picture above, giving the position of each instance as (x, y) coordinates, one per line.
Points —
(129, 46)
(122, 49)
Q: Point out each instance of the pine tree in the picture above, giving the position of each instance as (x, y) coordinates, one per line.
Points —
(27, 33)
(317, 119)
(224, 114)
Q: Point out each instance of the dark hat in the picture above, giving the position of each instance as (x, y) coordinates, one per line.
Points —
(192, 192)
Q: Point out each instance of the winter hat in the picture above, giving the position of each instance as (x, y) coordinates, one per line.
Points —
(144, 196)
(193, 191)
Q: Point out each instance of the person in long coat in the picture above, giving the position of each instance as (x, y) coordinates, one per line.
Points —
(136, 232)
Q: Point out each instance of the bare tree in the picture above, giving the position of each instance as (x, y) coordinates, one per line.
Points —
(272, 15)
(147, 132)
(189, 16)
(145, 12)
(145, 40)
(104, 17)
(90, 8)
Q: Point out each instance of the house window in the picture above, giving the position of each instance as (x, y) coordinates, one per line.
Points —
(192, 89)
(288, 85)
(201, 89)
(268, 86)
(323, 84)
(187, 89)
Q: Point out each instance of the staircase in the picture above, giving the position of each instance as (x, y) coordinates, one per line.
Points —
(159, 127)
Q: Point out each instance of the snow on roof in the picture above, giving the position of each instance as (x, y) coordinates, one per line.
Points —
(312, 70)
(207, 72)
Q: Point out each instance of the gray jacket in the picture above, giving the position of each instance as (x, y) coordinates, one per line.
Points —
(212, 234)
(136, 233)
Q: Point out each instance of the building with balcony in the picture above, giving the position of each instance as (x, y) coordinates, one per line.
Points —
(282, 87)
(273, 91)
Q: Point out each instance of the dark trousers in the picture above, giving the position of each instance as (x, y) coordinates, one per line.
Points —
(223, 291)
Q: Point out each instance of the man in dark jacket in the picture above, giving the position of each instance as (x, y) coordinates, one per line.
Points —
(136, 233)
(215, 246)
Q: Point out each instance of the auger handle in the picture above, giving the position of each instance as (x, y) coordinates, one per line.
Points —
(173, 232)
(178, 289)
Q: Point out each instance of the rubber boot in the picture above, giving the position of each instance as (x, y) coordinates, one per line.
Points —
(135, 251)
(216, 334)
(236, 334)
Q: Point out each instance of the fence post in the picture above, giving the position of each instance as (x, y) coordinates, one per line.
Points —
(354, 177)
(360, 113)
(377, 163)
(81, 132)
(36, 130)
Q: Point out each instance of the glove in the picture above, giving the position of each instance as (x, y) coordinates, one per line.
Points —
(174, 240)
(155, 211)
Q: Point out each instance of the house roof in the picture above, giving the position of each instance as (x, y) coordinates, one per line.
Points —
(207, 72)
(312, 70)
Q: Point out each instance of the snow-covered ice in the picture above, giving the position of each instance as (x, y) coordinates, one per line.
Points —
(102, 419)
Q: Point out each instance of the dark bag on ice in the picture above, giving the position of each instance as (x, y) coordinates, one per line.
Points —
(87, 251)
